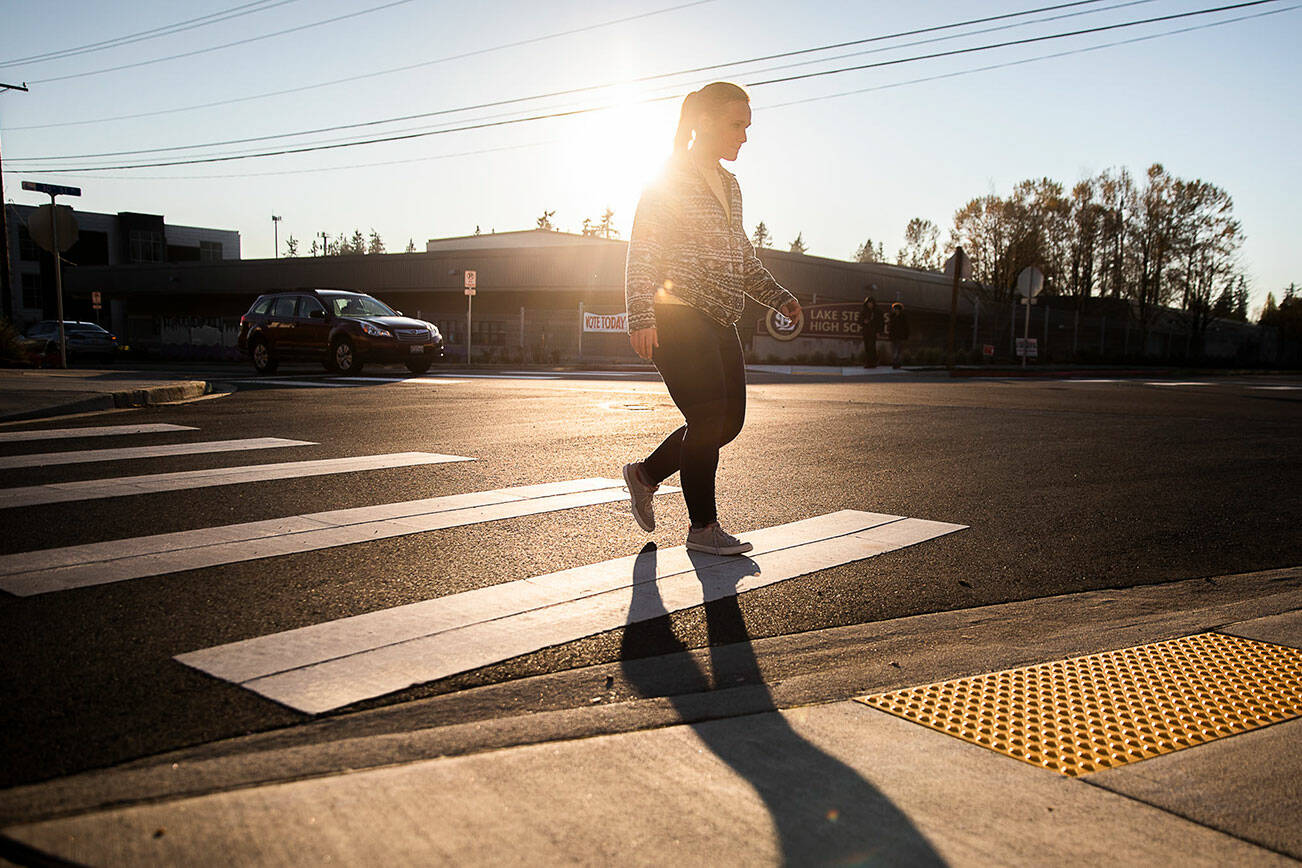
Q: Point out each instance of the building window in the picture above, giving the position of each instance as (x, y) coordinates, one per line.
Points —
(210, 251)
(489, 334)
(33, 297)
(145, 246)
(27, 249)
(453, 330)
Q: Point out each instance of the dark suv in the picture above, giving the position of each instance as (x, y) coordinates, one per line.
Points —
(342, 329)
(84, 338)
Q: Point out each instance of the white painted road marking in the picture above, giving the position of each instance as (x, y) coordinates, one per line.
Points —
(41, 572)
(326, 666)
(95, 488)
(83, 456)
(98, 431)
(319, 384)
(1278, 388)
(435, 380)
(1176, 384)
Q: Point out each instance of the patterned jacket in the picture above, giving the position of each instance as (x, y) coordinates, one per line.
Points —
(683, 242)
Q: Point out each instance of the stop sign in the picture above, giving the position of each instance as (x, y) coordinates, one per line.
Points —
(38, 226)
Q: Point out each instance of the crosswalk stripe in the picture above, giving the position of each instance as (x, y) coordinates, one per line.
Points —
(1277, 388)
(434, 380)
(316, 384)
(90, 489)
(1172, 383)
(326, 666)
(97, 431)
(83, 456)
(46, 570)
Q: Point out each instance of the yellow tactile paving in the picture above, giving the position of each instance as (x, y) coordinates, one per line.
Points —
(1104, 710)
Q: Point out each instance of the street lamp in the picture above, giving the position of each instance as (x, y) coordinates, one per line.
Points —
(275, 227)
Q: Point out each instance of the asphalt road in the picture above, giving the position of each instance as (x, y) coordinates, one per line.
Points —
(1065, 486)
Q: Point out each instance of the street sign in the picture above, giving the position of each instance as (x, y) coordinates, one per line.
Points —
(51, 189)
(95, 300)
(38, 226)
(470, 281)
(1030, 282)
(1027, 348)
(470, 291)
(967, 267)
(988, 351)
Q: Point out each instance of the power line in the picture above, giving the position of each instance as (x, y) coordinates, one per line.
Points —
(166, 30)
(892, 85)
(245, 41)
(534, 40)
(639, 80)
(1027, 41)
(1054, 56)
(591, 109)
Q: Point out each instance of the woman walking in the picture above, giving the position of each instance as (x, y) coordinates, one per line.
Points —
(690, 268)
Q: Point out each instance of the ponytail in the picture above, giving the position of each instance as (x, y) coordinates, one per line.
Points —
(683, 135)
(708, 99)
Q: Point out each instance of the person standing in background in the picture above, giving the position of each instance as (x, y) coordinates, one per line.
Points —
(870, 323)
(897, 331)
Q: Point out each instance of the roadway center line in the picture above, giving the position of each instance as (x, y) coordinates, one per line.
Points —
(58, 569)
(326, 666)
(436, 380)
(97, 431)
(90, 489)
(83, 456)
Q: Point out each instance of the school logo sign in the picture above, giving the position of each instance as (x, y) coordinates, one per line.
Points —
(781, 327)
(837, 320)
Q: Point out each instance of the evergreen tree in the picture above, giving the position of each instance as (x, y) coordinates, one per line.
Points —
(798, 245)
(291, 246)
(411, 246)
(869, 252)
(761, 238)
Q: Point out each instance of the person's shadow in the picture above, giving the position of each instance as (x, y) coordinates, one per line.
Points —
(823, 811)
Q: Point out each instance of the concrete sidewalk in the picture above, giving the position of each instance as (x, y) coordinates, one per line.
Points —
(791, 770)
(39, 394)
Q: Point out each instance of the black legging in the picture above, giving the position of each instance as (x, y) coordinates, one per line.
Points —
(701, 363)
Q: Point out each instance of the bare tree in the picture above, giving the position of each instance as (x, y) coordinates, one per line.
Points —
(607, 225)
(375, 244)
(545, 221)
(411, 246)
(921, 246)
(798, 245)
(291, 246)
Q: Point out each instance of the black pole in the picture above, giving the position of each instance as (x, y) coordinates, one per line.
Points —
(6, 287)
(953, 306)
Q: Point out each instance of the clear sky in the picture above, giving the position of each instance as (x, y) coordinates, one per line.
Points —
(1220, 104)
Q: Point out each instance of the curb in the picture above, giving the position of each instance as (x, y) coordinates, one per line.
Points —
(119, 400)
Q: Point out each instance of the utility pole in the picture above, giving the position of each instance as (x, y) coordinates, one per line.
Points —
(275, 228)
(325, 243)
(6, 290)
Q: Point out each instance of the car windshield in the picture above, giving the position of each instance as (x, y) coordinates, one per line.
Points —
(357, 305)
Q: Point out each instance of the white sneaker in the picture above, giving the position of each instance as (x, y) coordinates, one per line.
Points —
(714, 540)
(643, 497)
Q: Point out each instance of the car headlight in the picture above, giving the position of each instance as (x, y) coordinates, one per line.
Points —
(434, 331)
(375, 331)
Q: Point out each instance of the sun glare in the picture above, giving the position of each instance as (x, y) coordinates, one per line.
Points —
(607, 157)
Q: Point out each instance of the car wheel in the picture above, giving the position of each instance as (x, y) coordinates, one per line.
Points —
(344, 357)
(263, 361)
(418, 367)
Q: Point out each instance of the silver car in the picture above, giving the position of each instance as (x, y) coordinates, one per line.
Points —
(85, 339)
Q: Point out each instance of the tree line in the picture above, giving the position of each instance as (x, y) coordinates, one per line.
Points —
(1156, 242)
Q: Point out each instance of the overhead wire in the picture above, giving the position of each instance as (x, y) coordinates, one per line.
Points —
(211, 48)
(766, 107)
(533, 40)
(591, 109)
(155, 33)
(632, 81)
